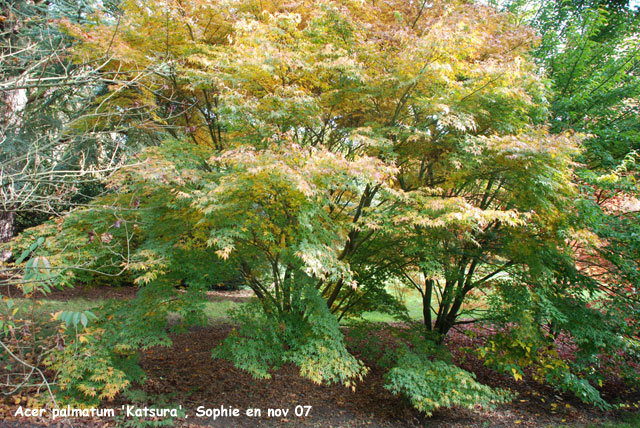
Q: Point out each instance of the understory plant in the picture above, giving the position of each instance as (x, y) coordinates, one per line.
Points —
(96, 362)
(308, 337)
(420, 370)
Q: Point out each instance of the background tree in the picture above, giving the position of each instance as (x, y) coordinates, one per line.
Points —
(53, 152)
(590, 52)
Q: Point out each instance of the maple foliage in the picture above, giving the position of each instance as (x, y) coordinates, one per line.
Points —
(320, 150)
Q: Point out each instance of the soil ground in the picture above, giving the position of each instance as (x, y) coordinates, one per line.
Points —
(186, 375)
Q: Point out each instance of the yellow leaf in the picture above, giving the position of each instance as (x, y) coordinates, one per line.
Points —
(516, 375)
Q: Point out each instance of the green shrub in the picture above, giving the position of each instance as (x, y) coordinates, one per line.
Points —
(309, 336)
(432, 384)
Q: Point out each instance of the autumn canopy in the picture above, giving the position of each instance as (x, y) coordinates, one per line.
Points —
(323, 154)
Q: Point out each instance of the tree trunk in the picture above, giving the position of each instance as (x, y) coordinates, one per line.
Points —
(6, 225)
(426, 304)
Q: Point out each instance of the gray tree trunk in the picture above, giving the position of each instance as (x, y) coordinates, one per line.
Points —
(7, 219)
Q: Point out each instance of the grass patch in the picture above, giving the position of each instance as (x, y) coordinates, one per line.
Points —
(412, 300)
(42, 309)
(218, 311)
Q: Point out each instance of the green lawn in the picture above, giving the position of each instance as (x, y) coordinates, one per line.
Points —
(42, 309)
(412, 300)
(219, 311)
(215, 311)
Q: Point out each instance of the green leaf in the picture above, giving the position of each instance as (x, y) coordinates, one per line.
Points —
(23, 256)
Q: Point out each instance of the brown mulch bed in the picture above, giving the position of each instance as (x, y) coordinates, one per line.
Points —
(186, 374)
(189, 372)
